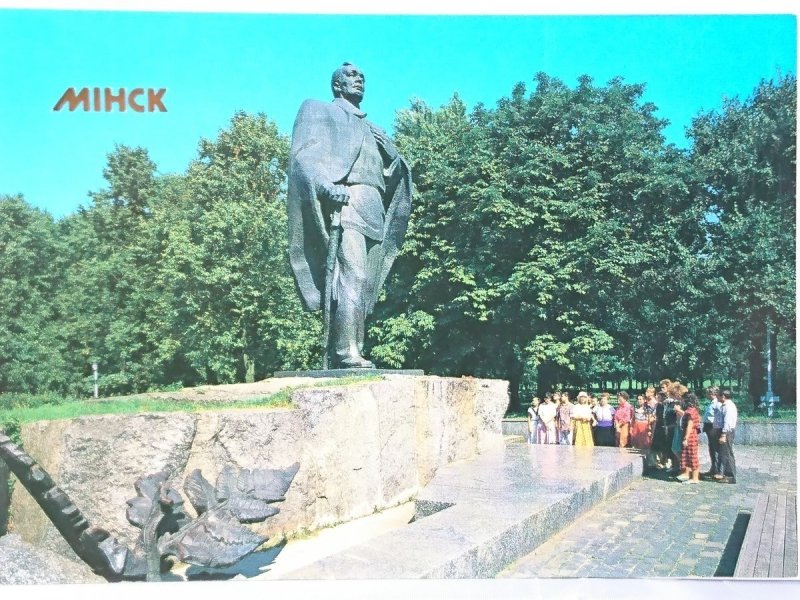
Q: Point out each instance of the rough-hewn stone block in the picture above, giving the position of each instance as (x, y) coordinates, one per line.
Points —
(361, 448)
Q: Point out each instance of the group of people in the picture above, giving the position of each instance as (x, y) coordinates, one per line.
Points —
(664, 424)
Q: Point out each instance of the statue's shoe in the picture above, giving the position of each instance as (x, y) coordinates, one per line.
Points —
(355, 362)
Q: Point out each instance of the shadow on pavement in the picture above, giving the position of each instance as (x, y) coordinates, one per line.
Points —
(659, 474)
(727, 563)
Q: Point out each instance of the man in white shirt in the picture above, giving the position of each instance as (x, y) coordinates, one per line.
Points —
(712, 434)
(729, 416)
(533, 422)
(604, 414)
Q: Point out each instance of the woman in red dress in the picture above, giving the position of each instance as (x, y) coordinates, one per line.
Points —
(690, 454)
(640, 430)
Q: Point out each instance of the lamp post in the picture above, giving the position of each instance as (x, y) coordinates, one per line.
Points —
(769, 398)
(94, 371)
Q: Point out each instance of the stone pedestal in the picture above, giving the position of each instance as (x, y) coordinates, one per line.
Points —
(348, 373)
(361, 448)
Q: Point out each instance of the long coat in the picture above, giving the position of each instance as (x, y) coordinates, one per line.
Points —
(325, 145)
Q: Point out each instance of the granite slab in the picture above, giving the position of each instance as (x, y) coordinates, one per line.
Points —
(21, 563)
(348, 373)
(477, 516)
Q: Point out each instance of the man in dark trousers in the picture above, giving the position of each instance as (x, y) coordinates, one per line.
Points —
(712, 434)
(343, 166)
(730, 415)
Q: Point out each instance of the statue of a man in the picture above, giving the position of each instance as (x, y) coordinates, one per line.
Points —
(349, 201)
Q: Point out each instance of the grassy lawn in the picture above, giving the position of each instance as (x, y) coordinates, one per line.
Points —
(16, 409)
(781, 413)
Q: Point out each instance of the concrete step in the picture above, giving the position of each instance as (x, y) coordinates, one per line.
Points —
(478, 516)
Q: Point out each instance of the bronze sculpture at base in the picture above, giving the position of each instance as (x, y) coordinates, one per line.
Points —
(216, 538)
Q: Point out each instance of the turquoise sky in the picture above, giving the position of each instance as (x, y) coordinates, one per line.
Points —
(215, 64)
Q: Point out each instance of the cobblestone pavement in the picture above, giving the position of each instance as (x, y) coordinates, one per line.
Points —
(657, 527)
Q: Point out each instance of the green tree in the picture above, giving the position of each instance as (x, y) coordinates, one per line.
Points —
(532, 226)
(223, 260)
(30, 264)
(107, 286)
(746, 155)
(178, 278)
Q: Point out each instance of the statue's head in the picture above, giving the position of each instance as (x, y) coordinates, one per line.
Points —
(348, 82)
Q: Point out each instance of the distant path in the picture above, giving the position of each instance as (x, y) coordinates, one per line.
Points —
(660, 528)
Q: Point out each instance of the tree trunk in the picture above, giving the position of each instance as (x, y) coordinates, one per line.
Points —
(757, 364)
(545, 379)
(773, 350)
(515, 374)
(514, 403)
(249, 369)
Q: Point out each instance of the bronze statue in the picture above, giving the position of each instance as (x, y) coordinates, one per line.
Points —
(349, 200)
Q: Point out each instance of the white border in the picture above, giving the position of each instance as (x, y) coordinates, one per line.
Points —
(430, 7)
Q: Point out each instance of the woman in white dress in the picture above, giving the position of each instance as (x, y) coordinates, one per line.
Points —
(547, 420)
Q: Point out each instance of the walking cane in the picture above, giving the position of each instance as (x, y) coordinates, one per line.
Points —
(334, 239)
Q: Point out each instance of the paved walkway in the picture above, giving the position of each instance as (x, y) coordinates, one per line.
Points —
(657, 527)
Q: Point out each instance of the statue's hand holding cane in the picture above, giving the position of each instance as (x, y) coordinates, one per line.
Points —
(337, 194)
